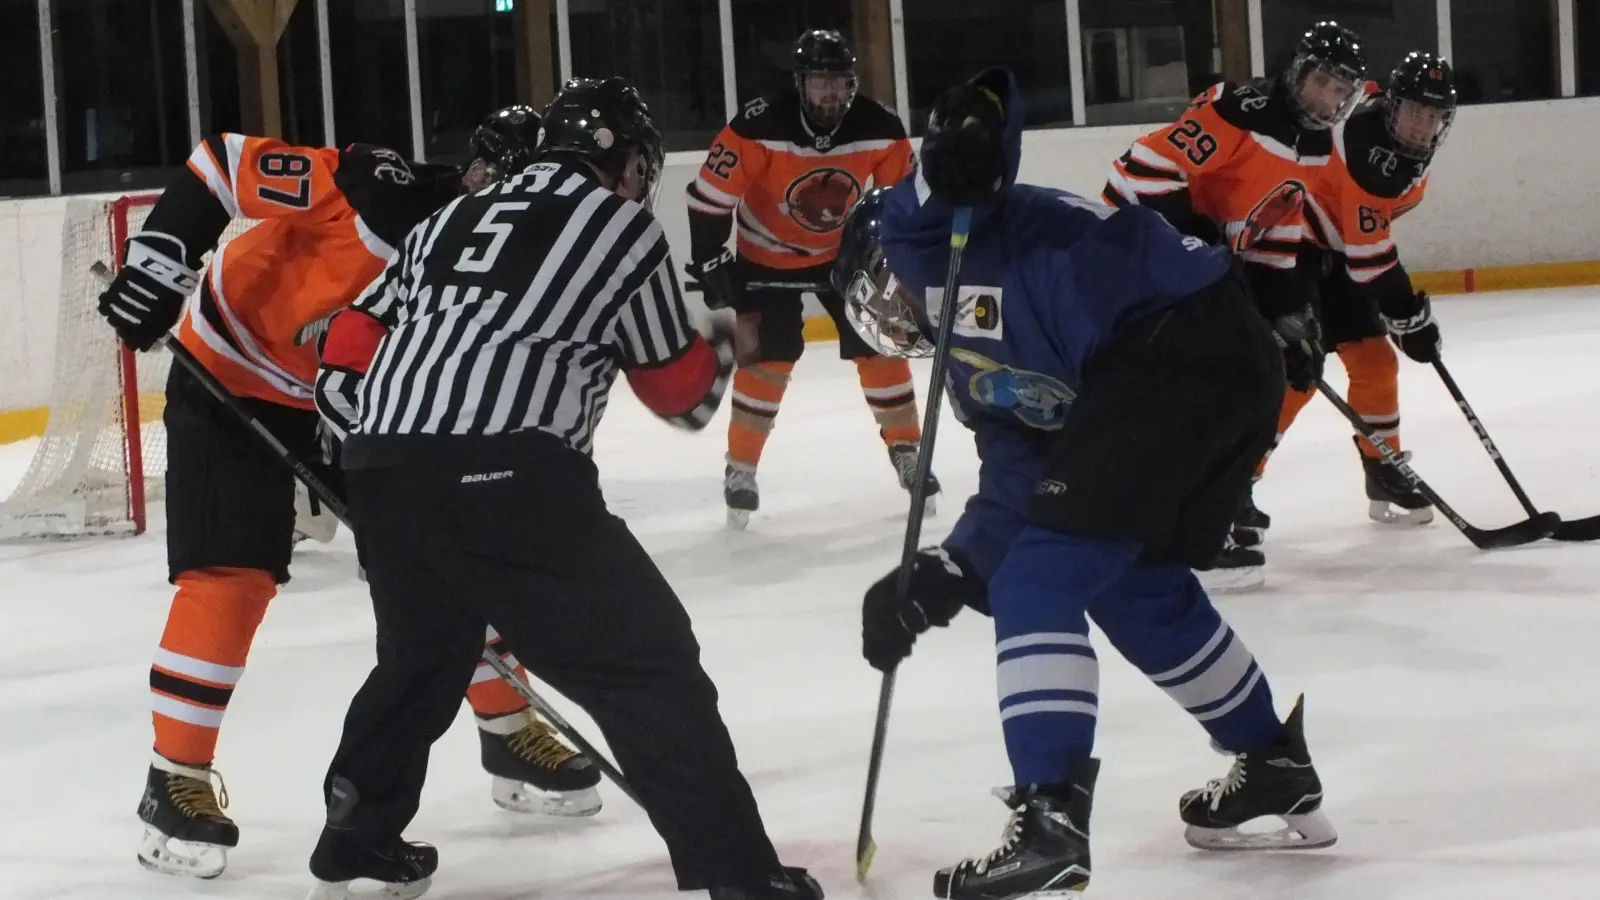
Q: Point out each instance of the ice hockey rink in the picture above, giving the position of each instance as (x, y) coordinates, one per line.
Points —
(1451, 693)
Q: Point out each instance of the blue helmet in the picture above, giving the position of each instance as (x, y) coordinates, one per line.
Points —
(881, 309)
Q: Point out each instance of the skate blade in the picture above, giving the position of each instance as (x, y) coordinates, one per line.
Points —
(160, 853)
(1385, 513)
(340, 890)
(520, 797)
(1310, 831)
(1233, 581)
(738, 519)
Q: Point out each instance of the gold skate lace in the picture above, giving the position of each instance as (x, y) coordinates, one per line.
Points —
(537, 743)
(194, 797)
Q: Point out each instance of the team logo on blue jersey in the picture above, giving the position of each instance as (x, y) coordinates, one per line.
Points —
(1032, 398)
(819, 200)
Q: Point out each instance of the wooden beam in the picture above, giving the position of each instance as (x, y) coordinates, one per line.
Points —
(1234, 27)
(536, 63)
(872, 41)
(254, 27)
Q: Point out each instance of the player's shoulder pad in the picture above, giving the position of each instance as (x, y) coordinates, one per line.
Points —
(775, 117)
(1244, 104)
(1371, 156)
(390, 193)
(869, 120)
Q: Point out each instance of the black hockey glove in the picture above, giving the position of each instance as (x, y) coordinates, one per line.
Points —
(719, 288)
(964, 152)
(1301, 339)
(146, 298)
(1413, 329)
(940, 585)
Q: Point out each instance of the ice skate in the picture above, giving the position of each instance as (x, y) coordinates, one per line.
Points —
(404, 870)
(1044, 851)
(1276, 782)
(903, 455)
(534, 772)
(1251, 524)
(185, 831)
(1238, 570)
(793, 883)
(739, 493)
(1391, 498)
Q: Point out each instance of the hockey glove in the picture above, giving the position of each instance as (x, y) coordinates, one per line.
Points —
(940, 586)
(1414, 330)
(146, 298)
(964, 152)
(1301, 339)
(718, 286)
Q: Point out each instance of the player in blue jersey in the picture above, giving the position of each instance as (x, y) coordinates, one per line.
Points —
(1121, 388)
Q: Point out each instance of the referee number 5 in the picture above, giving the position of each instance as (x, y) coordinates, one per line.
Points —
(481, 259)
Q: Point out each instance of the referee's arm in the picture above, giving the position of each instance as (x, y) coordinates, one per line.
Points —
(675, 371)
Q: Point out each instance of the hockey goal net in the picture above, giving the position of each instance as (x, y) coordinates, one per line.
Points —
(102, 458)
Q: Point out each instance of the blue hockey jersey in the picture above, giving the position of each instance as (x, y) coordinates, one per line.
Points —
(1047, 278)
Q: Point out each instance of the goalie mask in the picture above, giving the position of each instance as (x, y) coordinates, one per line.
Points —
(883, 311)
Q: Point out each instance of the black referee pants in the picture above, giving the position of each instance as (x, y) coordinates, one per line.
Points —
(516, 533)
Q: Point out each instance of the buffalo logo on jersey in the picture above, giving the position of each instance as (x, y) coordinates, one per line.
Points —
(819, 200)
(1033, 398)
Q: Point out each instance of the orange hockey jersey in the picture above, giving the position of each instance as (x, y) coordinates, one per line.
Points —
(1231, 149)
(788, 186)
(329, 221)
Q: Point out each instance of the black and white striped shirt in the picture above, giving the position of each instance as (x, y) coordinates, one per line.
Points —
(513, 308)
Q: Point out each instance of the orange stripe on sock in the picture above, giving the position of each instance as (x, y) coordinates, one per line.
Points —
(1293, 402)
(892, 396)
(1374, 386)
(757, 392)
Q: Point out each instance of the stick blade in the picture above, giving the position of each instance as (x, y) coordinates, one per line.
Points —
(1578, 530)
(865, 851)
(1533, 529)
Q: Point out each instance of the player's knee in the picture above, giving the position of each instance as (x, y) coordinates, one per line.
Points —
(782, 339)
(1370, 361)
(1048, 574)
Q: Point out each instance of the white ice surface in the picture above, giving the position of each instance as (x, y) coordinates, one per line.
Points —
(1451, 692)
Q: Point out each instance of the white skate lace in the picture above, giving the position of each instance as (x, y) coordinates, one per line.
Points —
(1009, 837)
(905, 464)
(739, 479)
(1218, 788)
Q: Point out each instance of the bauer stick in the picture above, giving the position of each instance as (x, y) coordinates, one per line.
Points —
(1536, 527)
(960, 224)
(1576, 530)
(335, 505)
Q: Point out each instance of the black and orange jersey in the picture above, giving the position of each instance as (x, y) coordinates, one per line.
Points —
(789, 186)
(1354, 204)
(329, 221)
(1231, 149)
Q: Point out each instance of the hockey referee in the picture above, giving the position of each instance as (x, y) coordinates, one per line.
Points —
(473, 373)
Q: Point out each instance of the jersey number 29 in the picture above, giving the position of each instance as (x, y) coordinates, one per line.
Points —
(1192, 139)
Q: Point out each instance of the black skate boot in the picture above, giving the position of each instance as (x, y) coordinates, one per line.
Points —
(533, 771)
(1391, 498)
(903, 455)
(1277, 781)
(793, 883)
(1045, 852)
(1251, 524)
(343, 854)
(739, 493)
(185, 831)
(1236, 571)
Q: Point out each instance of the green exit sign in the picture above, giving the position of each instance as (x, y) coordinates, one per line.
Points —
(502, 5)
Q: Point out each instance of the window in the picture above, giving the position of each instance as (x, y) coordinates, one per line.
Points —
(1144, 62)
(1588, 48)
(1504, 51)
(300, 78)
(949, 41)
(24, 162)
(124, 109)
(764, 33)
(371, 94)
(671, 50)
(220, 77)
(468, 61)
(1388, 29)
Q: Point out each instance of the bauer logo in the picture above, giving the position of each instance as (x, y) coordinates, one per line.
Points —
(487, 476)
(978, 312)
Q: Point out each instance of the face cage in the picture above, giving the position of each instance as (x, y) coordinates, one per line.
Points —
(880, 310)
(1392, 120)
(1301, 70)
(811, 109)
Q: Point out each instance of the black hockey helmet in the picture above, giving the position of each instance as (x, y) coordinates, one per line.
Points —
(502, 146)
(883, 311)
(1328, 75)
(1421, 101)
(825, 76)
(605, 122)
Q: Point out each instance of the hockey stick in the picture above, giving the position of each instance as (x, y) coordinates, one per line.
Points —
(960, 224)
(1536, 527)
(335, 505)
(1575, 530)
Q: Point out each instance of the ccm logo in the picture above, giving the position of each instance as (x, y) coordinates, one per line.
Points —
(486, 476)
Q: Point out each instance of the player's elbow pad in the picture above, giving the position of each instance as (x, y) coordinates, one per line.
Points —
(687, 391)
